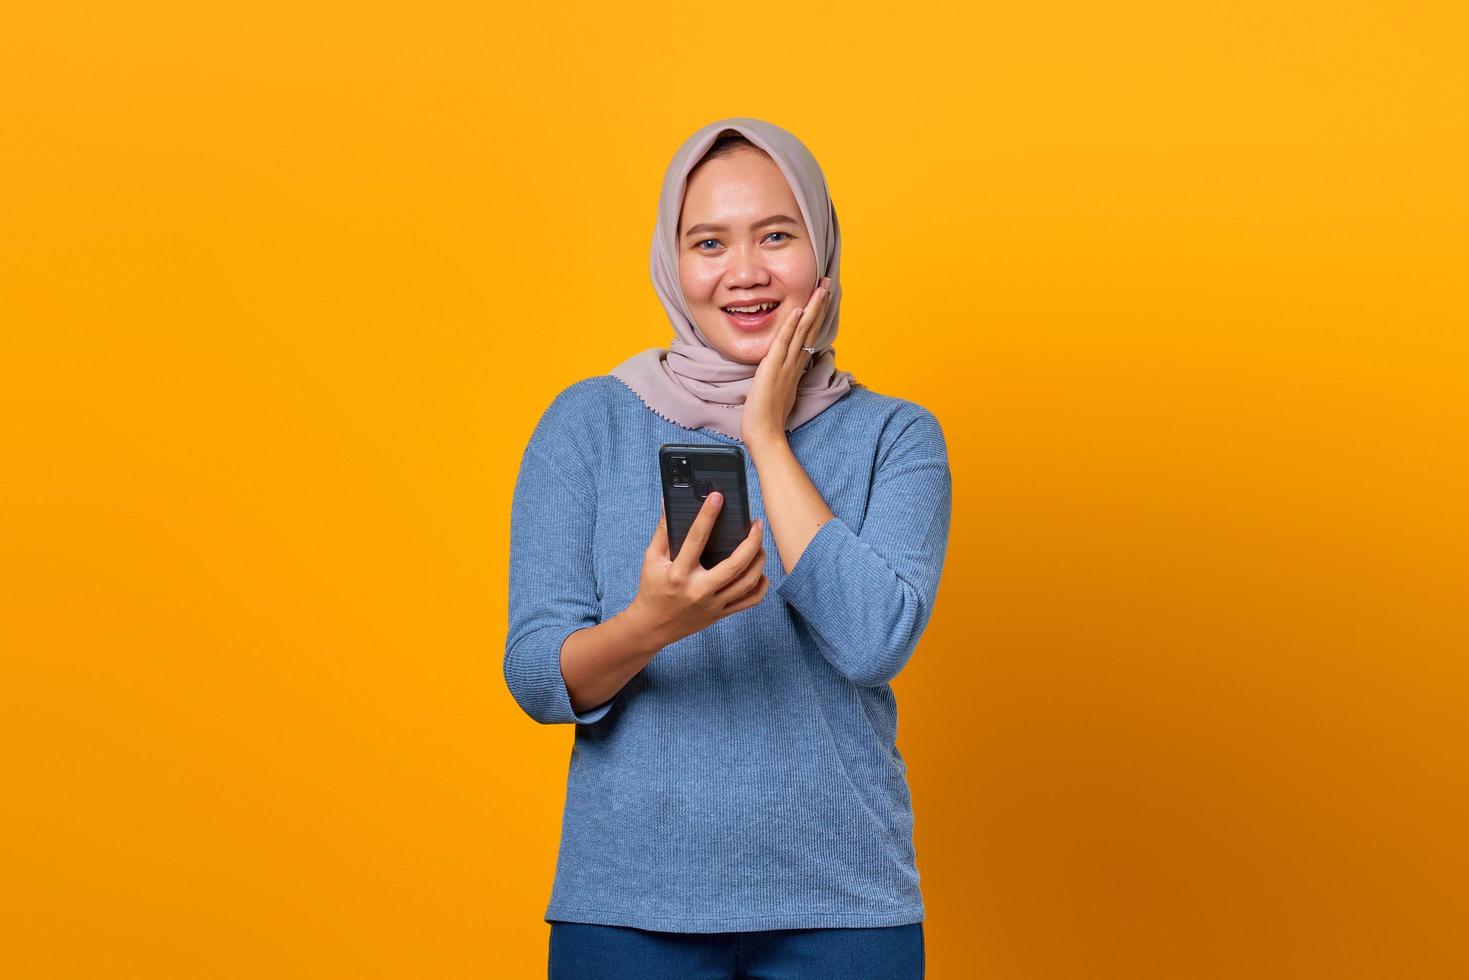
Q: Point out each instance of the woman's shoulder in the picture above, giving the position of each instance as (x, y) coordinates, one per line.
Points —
(894, 418)
(869, 400)
(587, 395)
(577, 412)
(585, 400)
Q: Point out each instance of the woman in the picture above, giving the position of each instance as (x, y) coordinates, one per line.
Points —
(736, 800)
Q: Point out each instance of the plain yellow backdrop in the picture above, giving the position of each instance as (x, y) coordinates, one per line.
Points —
(286, 286)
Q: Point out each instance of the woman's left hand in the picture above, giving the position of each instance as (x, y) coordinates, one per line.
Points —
(773, 394)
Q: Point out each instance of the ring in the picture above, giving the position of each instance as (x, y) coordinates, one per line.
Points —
(809, 350)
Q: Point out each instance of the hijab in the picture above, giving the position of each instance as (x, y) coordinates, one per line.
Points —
(691, 382)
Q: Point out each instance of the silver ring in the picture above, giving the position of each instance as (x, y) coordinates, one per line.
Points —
(809, 350)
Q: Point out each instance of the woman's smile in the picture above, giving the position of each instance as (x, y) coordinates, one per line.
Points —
(739, 315)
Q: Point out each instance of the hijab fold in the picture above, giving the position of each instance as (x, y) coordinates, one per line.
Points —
(691, 382)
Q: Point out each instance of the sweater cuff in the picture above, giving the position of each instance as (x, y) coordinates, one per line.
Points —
(803, 584)
(549, 686)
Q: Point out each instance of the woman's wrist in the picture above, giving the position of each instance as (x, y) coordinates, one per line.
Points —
(761, 444)
(646, 634)
(793, 505)
(597, 661)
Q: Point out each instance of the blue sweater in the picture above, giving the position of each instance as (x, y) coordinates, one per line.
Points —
(748, 777)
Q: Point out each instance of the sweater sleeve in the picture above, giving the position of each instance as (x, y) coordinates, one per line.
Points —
(553, 589)
(868, 597)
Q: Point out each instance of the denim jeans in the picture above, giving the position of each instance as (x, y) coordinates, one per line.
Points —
(580, 951)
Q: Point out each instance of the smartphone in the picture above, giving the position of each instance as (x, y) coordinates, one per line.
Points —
(690, 474)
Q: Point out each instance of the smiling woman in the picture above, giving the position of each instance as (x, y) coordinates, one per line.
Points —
(736, 797)
(744, 217)
(759, 256)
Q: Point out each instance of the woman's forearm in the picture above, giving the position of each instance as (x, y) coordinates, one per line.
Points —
(597, 661)
(794, 508)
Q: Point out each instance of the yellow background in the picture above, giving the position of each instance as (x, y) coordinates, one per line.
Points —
(286, 286)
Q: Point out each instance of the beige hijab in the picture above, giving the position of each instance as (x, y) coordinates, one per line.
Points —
(690, 382)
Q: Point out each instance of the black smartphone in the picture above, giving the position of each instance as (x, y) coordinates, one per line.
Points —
(691, 473)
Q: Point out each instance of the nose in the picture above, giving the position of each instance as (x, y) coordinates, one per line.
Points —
(746, 266)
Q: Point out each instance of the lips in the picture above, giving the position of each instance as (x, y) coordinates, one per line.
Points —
(751, 321)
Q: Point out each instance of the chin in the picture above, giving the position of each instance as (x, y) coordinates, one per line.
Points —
(749, 353)
(745, 349)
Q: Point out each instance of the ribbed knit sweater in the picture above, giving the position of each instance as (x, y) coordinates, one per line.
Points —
(748, 777)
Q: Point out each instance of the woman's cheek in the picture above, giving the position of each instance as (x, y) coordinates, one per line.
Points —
(709, 281)
(795, 273)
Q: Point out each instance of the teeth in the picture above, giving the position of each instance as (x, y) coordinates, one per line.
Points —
(751, 309)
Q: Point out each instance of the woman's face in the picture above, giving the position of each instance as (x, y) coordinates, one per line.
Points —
(731, 252)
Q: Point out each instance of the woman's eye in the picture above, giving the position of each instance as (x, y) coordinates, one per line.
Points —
(700, 245)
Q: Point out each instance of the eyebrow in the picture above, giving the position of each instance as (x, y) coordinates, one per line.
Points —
(775, 219)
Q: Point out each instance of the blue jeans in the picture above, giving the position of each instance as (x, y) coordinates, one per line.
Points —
(580, 951)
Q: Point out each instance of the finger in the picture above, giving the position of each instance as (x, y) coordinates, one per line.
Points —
(698, 536)
(742, 586)
(795, 356)
(789, 328)
(813, 326)
(791, 343)
(809, 339)
(740, 559)
(756, 596)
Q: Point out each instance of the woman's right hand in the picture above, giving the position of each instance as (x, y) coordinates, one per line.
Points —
(678, 596)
